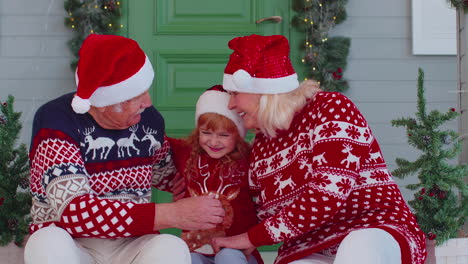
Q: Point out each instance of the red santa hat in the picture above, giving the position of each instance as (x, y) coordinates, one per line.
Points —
(111, 70)
(260, 64)
(216, 100)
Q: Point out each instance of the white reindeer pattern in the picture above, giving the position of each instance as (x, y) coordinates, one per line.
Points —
(374, 156)
(283, 183)
(155, 145)
(305, 164)
(350, 158)
(128, 143)
(278, 232)
(320, 159)
(101, 143)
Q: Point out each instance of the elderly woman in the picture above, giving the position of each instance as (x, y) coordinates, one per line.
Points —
(322, 186)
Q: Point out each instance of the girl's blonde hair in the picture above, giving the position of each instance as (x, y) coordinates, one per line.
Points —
(276, 111)
(213, 121)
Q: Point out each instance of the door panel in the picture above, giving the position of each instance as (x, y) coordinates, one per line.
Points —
(187, 40)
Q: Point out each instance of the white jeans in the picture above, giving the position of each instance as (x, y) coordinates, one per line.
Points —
(365, 246)
(53, 245)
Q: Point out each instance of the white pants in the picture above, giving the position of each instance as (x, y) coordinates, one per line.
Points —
(365, 246)
(53, 245)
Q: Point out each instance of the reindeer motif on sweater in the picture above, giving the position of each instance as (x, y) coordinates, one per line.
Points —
(228, 183)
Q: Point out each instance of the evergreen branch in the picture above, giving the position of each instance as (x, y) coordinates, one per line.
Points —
(324, 58)
(440, 204)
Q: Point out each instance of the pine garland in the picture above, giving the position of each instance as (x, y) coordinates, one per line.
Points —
(463, 4)
(441, 200)
(15, 200)
(324, 57)
(86, 17)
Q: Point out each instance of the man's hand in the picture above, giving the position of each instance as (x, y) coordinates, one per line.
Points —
(201, 212)
(178, 187)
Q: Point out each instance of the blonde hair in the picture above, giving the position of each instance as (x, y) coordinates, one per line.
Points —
(276, 111)
(215, 121)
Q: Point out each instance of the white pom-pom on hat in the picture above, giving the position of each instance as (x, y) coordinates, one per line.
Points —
(79, 105)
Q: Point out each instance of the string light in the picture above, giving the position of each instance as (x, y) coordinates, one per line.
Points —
(84, 22)
(316, 18)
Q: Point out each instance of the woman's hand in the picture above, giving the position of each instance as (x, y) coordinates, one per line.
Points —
(240, 241)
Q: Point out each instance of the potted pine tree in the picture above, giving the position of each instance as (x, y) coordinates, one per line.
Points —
(441, 196)
(15, 200)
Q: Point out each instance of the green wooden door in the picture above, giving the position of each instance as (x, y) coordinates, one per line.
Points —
(186, 40)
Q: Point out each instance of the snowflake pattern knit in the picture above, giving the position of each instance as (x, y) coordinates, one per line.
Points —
(94, 182)
(324, 178)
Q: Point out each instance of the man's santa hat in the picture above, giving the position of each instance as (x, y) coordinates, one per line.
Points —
(261, 65)
(111, 70)
(216, 100)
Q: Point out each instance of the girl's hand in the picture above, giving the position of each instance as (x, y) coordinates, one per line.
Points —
(240, 241)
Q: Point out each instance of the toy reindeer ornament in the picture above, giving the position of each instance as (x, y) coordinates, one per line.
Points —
(221, 187)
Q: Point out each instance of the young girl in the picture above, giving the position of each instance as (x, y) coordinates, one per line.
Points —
(214, 161)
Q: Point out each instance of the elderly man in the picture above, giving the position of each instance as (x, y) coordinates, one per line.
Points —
(95, 155)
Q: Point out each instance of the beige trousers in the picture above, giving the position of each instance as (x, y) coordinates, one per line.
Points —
(53, 245)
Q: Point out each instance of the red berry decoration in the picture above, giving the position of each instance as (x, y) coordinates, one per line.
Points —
(420, 197)
(453, 109)
(423, 190)
(431, 236)
(1, 200)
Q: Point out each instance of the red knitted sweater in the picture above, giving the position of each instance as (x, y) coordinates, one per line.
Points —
(324, 178)
(228, 182)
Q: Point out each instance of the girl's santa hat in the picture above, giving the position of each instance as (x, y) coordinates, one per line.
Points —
(216, 100)
(261, 65)
(111, 70)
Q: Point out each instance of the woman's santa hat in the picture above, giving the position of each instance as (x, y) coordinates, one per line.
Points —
(111, 70)
(261, 65)
(216, 100)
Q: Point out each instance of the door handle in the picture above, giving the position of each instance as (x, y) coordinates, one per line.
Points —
(277, 19)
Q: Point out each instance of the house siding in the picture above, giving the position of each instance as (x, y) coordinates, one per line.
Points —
(382, 71)
(34, 56)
